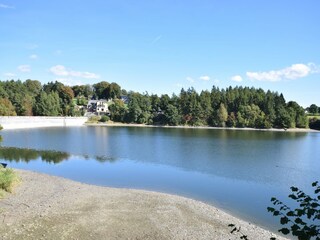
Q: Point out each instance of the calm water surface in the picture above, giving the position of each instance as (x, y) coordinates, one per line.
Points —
(238, 171)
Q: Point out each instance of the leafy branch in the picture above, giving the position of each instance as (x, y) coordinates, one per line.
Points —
(236, 229)
(302, 222)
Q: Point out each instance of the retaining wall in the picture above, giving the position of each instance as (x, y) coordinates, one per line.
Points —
(33, 122)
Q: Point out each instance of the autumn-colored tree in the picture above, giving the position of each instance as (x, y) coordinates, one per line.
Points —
(6, 108)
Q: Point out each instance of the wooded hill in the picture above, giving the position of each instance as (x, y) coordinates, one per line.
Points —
(231, 107)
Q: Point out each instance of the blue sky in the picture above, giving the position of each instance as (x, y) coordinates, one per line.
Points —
(160, 46)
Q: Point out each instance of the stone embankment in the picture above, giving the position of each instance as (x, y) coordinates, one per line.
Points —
(34, 122)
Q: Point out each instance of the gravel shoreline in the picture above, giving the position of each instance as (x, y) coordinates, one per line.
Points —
(116, 124)
(48, 207)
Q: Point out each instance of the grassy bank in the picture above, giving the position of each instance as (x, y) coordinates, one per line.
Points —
(8, 179)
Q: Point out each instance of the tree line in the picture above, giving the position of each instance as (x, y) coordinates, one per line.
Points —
(230, 107)
(31, 98)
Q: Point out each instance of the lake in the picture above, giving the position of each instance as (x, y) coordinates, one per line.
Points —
(238, 171)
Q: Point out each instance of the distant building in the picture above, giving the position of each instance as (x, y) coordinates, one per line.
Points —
(99, 107)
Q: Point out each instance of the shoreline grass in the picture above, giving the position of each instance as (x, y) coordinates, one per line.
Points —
(8, 180)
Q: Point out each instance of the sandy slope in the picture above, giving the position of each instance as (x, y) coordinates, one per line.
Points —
(47, 207)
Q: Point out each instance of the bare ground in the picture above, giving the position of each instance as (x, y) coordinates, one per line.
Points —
(47, 207)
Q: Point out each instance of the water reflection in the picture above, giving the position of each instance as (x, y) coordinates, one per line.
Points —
(220, 166)
(26, 155)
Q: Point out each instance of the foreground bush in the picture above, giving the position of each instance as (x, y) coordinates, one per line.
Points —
(8, 179)
(302, 222)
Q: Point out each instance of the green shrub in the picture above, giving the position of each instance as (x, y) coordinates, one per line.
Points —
(104, 118)
(314, 123)
(8, 179)
(93, 119)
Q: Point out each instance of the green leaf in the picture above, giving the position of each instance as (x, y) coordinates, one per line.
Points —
(300, 212)
(295, 228)
(270, 209)
(298, 220)
(310, 212)
(314, 184)
(284, 220)
(290, 214)
(276, 213)
(292, 196)
(285, 231)
(294, 189)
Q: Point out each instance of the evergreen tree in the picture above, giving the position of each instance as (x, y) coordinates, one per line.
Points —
(47, 104)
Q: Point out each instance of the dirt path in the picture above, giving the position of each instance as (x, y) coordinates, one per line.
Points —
(47, 207)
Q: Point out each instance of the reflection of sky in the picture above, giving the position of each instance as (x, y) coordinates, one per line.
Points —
(267, 157)
(219, 166)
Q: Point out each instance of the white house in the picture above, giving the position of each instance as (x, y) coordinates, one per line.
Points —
(100, 107)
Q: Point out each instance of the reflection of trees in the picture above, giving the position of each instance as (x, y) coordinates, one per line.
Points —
(26, 155)
(105, 159)
(52, 156)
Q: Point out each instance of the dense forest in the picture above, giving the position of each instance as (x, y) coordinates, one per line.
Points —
(231, 107)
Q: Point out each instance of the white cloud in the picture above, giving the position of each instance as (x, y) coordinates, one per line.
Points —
(237, 78)
(190, 79)
(24, 68)
(293, 72)
(9, 74)
(33, 56)
(61, 70)
(5, 6)
(204, 78)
